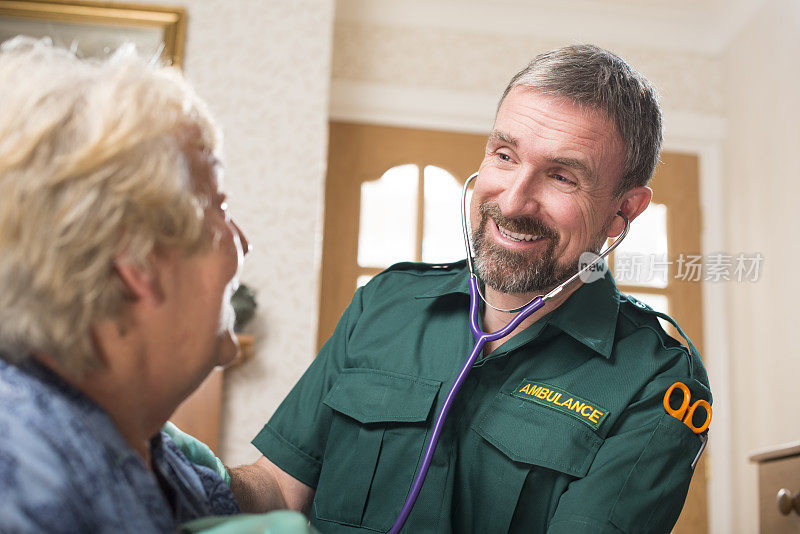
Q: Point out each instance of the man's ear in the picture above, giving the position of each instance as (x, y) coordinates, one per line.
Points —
(632, 203)
(141, 282)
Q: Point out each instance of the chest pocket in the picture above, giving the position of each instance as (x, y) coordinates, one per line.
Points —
(533, 434)
(530, 437)
(379, 429)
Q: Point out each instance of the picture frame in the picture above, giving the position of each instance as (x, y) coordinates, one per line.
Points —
(96, 29)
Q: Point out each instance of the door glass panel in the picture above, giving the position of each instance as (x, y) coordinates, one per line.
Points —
(641, 258)
(387, 226)
(442, 239)
(363, 279)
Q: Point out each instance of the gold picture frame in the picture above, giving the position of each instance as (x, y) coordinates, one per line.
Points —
(95, 29)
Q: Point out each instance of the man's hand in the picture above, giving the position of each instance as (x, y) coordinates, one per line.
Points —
(263, 487)
(196, 451)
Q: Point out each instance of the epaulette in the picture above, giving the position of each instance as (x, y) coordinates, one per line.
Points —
(685, 343)
(636, 302)
(426, 267)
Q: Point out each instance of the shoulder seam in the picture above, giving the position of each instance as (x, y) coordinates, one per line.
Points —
(680, 348)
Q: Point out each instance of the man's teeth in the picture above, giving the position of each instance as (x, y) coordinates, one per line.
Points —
(517, 237)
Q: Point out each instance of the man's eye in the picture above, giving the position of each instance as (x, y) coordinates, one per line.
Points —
(562, 179)
(503, 157)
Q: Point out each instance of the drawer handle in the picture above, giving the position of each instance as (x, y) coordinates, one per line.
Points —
(788, 502)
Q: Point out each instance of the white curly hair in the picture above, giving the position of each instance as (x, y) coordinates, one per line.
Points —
(92, 168)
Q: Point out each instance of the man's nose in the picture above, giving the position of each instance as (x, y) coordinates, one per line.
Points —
(520, 197)
(242, 239)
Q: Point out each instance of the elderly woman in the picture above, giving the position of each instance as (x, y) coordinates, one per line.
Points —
(117, 262)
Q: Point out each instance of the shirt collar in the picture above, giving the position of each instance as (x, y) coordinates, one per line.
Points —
(589, 315)
(457, 282)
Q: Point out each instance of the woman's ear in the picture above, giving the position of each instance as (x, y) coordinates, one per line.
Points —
(141, 282)
(632, 203)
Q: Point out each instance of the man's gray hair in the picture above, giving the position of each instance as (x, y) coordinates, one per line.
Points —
(93, 168)
(591, 76)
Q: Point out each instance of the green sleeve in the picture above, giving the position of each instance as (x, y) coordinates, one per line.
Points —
(294, 438)
(640, 475)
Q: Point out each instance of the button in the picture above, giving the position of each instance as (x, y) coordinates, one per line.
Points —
(785, 501)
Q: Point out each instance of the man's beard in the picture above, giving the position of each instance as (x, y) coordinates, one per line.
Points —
(508, 271)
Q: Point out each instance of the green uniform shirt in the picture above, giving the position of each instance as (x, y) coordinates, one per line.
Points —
(560, 430)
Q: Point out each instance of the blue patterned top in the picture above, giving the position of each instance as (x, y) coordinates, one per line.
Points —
(64, 466)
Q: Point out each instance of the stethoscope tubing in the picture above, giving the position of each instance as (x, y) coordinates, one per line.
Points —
(481, 338)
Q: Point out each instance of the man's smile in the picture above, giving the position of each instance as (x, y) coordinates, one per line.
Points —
(512, 239)
(517, 236)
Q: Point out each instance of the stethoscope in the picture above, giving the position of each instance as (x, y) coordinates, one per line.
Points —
(481, 338)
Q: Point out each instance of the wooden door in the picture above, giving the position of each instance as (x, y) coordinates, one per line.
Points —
(359, 154)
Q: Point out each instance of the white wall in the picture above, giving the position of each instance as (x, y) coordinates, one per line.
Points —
(444, 63)
(264, 69)
(762, 187)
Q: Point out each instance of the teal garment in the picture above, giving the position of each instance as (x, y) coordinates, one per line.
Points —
(279, 522)
(355, 425)
(196, 451)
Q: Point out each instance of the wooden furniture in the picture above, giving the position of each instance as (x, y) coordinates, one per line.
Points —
(779, 488)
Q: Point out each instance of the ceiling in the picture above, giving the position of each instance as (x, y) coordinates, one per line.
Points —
(702, 26)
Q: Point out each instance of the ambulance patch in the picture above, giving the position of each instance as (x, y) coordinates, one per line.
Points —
(558, 399)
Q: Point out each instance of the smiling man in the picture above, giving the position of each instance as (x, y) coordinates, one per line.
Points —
(559, 428)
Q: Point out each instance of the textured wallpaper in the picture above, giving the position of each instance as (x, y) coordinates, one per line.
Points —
(264, 68)
(469, 62)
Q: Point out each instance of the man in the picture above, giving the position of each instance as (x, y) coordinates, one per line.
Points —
(117, 263)
(561, 427)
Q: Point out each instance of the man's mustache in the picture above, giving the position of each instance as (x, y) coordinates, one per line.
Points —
(521, 225)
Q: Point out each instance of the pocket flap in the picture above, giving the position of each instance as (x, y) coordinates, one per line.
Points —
(373, 396)
(533, 434)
